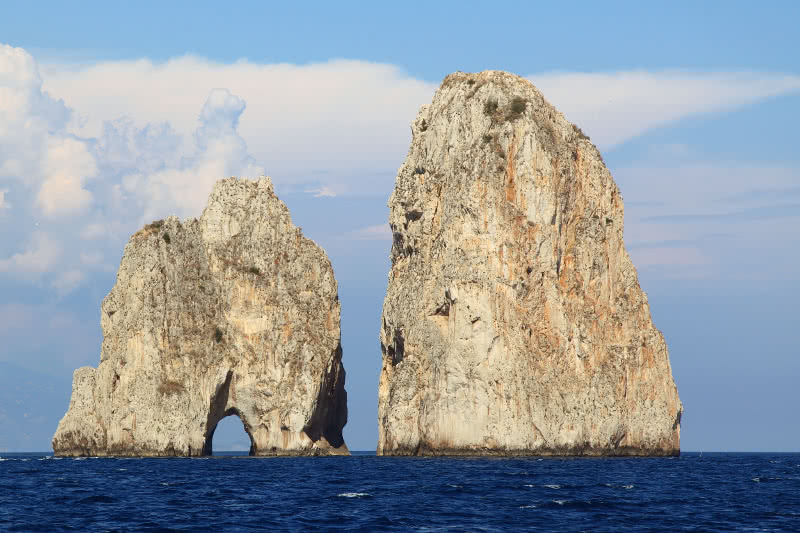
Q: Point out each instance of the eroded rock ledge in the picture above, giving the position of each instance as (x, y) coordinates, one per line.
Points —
(234, 313)
(514, 323)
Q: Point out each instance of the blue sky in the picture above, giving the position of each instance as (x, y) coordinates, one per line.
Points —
(112, 115)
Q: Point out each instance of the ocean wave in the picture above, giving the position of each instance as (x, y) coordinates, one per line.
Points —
(614, 486)
(428, 495)
(552, 486)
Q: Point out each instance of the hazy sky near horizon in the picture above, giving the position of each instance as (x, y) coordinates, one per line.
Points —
(114, 115)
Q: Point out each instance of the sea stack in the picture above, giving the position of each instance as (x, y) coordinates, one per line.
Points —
(514, 323)
(234, 313)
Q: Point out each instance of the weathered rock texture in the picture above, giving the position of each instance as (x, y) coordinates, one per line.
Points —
(234, 313)
(514, 322)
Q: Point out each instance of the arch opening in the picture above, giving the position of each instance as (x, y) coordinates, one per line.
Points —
(232, 437)
(219, 410)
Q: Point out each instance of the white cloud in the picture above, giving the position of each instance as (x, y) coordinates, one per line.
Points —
(380, 232)
(27, 115)
(321, 191)
(615, 107)
(698, 187)
(219, 152)
(122, 147)
(40, 255)
(34, 146)
(67, 165)
(343, 122)
(677, 219)
(340, 122)
(154, 137)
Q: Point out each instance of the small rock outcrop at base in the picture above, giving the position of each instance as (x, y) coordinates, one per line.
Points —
(233, 313)
(514, 323)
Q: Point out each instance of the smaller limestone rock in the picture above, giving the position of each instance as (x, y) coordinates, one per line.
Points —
(234, 313)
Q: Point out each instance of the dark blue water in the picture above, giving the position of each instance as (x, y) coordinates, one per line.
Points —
(712, 492)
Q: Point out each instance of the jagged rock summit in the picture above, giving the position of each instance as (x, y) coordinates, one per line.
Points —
(513, 321)
(234, 313)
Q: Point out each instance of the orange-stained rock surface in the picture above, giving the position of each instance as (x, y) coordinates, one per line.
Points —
(514, 322)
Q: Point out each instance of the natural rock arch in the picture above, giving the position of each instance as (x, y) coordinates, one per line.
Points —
(218, 411)
(232, 313)
(208, 446)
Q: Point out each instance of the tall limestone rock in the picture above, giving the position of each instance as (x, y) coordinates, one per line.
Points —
(234, 313)
(514, 322)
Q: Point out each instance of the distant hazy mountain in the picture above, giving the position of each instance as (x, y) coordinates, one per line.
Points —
(31, 404)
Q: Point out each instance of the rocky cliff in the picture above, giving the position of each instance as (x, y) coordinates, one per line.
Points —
(234, 313)
(514, 322)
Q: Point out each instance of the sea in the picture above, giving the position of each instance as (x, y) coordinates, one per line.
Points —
(693, 492)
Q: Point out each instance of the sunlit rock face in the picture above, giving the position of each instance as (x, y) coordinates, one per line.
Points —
(513, 321)
(234, 313)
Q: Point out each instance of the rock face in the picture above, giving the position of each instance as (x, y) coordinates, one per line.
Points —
(514, 322)
(234, 313)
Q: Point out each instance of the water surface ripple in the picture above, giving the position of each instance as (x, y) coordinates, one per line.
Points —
(712, 492)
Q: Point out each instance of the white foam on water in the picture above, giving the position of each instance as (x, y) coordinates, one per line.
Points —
(628, 487)
(455, 486)
(531, 506)
(79, 458)
(45, 458)
(1, 459)
(553, 486)
(353, 495)
(122, 469)
(560, 502)
(757, 479)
